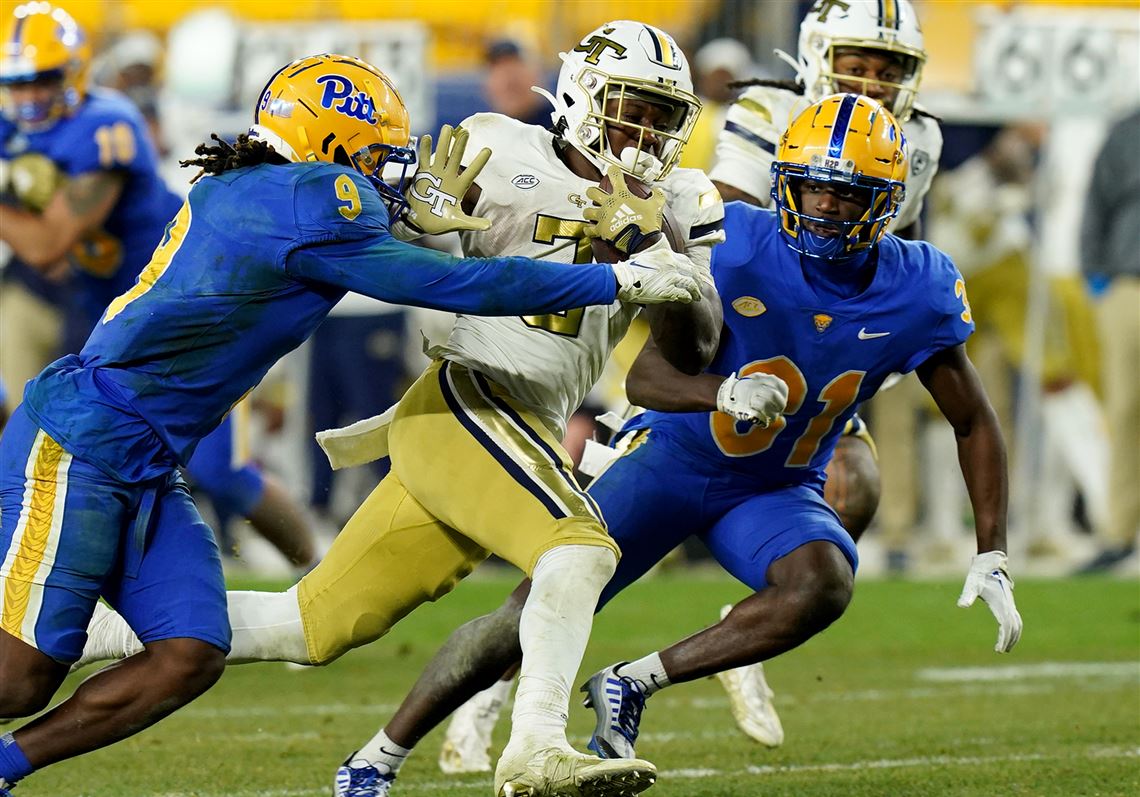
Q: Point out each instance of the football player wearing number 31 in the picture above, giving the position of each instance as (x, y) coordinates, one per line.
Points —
(287, 220)
(819, 307)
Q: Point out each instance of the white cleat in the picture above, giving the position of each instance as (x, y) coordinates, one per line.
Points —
(751, 700)
(468, 740)
(562, 772)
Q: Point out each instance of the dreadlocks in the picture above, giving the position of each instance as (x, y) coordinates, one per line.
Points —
(243, 152)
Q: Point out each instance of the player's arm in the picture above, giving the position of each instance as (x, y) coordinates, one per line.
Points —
(656, 385)
(730, 193)
(687, 335)
(81, 205)
(745, 150)
(951, 380)
(393, 271)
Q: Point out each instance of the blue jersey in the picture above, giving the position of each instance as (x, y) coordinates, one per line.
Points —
(244, 273)
(833, 354)
(106, 133)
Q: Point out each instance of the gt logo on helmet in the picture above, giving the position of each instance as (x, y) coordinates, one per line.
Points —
(358, 105)
(596, 46)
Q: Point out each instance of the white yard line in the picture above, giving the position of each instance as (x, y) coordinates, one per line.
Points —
(1045, 669)
(456, 786)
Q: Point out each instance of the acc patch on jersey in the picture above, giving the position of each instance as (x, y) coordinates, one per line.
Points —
(524, 181)
(748, 306)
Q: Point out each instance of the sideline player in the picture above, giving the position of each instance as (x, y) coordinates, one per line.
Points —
(624, 98)
(91, 505)
(84, 172)
(833, 307)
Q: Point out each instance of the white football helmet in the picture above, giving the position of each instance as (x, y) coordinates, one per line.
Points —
(888, 25)
(618, 61)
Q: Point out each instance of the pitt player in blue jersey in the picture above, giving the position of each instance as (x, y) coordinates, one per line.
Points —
(83, 168)
(820, 308)
(91, 505)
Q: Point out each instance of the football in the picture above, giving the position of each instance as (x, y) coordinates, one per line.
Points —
(605, 252)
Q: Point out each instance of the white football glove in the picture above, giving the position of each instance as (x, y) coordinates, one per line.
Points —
(656, 276)
(989, 579)
(758, 398)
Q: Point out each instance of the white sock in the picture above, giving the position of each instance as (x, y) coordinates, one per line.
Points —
(266, 627)
(108, 638)
(382, 753)
(553, 632)
(648, 673)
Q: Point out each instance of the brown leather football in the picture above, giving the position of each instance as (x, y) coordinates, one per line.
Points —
(605, 252)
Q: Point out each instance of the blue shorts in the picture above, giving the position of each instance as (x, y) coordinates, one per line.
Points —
(69, 533)
(221, 468)
(653, 499)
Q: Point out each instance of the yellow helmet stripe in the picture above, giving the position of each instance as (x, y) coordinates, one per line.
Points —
(661, 48)
(889, 14)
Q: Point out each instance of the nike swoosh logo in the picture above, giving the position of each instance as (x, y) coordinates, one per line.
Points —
(865, 335)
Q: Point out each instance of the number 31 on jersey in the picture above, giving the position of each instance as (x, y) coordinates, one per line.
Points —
(836, 396)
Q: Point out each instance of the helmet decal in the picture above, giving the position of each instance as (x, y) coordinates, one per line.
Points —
(596, 46)
(353, 103)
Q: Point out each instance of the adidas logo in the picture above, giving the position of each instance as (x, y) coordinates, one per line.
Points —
(623, 217)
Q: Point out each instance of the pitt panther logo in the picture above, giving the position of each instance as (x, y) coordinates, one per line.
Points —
(356, 105)
(596, 46)
(822, 322)
(825, 7)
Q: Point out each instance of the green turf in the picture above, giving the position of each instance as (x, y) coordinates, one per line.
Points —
(859, 718)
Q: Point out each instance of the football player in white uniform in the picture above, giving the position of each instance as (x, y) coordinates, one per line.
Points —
(478, 465)
(871, 47)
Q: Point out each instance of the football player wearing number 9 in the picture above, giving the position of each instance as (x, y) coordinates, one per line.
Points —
(91, 505)
(820, 307)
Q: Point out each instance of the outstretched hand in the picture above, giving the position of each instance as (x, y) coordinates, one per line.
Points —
(435, 194)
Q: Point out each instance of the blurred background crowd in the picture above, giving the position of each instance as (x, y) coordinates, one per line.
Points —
(1037, 199)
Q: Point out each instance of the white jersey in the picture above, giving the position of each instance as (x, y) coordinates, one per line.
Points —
(747, 147)
(535, 205)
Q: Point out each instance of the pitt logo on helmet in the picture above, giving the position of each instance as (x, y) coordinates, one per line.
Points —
(353, 103)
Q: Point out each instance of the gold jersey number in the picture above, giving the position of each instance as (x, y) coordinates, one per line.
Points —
(547, 230)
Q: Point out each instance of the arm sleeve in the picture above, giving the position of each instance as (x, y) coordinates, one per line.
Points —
(950, 321)
(394, 271)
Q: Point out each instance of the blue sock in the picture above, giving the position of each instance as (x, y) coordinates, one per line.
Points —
(13, 763)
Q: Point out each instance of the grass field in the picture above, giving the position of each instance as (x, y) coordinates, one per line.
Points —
(890, 701)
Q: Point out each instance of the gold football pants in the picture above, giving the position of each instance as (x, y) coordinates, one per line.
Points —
(473, 471)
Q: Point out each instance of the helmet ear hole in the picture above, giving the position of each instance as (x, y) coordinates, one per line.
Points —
(340, 155)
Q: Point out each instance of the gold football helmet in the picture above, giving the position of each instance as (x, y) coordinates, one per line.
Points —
(847, 139)
(339, 109)
(42, 46)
